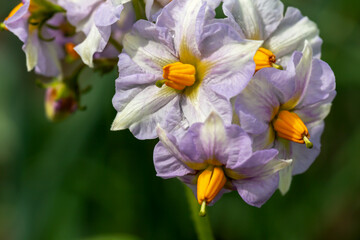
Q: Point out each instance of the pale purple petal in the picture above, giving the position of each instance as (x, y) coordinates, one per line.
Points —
(257, 192)
(256, 166)
(198, 106)
(148, 108)
(257, 18)
(322, 85)
(185, 19)
(313, 113)
(231, 59)
(304, 157)
(258, 103)
(150, 47)
(18, 23)
(168, 160)
(291, 34)
(206, 141)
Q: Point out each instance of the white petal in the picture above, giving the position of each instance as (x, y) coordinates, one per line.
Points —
(233, 67)
(285, 179)
(257, 18)
(185, 19)
(31, 52)
(149, 47)
(170, 146)
(198, 105)
(213, 135)
(303, 71)
(93, 43)
(144, 105)
(293, 30)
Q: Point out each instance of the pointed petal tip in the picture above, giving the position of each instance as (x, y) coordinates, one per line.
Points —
(117, 124)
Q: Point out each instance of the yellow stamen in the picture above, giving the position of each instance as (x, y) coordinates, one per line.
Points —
(178, 76)
(69, 48)
(12, 13)
(289, 126)
(264, 58)
(209, 184)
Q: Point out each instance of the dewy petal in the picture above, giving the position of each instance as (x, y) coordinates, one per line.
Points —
(149, 46)
(168, 159)
(257, 18)
(145, 110)
(290, 35)
(185, 20)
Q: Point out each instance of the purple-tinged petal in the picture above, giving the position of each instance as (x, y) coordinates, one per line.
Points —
(149, 46)
(321, 85)
(256, 192)
(291, 34)
(77, 11)
(293, 88)
(197, 107)
(148, 108)
(18, 23)
(314, 113)
(238, 146)
(257, 18)
(304, 157)
(226, 54)
(185, 19)
(258, 103)
(206, 141)
(168, 160)
(258, 165)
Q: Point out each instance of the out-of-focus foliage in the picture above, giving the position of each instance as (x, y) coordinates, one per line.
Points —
(78, 180)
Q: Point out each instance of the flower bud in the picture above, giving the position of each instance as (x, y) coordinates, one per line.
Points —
(60, 101)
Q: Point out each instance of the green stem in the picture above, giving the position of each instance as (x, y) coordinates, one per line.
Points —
(139, 9)
(116, 44)
(2, 26)
(202, 224)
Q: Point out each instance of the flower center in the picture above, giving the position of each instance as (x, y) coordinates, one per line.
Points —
(264, 58)
(289, 126)
(177, 76)
(209, 184)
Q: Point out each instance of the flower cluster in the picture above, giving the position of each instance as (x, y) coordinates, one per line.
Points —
(237, 99)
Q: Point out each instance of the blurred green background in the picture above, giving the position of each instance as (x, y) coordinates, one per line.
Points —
(78, 180)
